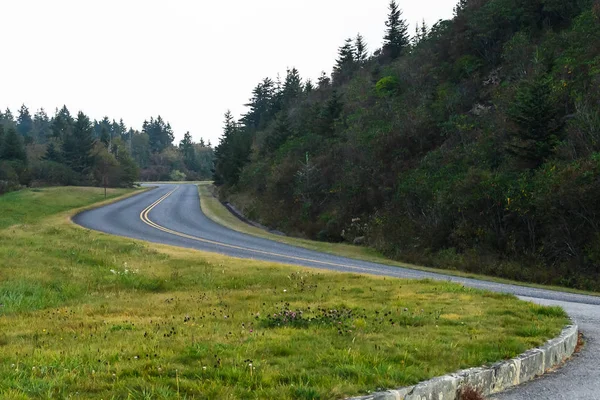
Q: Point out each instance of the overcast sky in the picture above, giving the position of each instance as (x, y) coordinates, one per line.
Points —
(187, 60)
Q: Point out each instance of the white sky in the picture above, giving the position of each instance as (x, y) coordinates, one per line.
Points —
(187, 60)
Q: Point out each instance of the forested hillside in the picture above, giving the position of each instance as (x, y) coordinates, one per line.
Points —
(66, 150)
(473, 144)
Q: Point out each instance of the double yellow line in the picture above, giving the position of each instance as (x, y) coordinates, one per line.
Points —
(145, 218)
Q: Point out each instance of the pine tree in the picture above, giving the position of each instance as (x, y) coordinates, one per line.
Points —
(53, 153)
(292, 87)
(7, 118)
(397, 39)
(1, 136)
(25, 124)
(186, 147)
(78, 146)
(62, 123)
(360, 49)
(160, 134)
(536, 113)
(13, 148)
(123, 131)
(277, 134)
(105, 136)
(329, 115)
(261, 105)
(308, 86)
(232, 153)
(324, 81)
(424, 30)
(41, 126)
(345, 64)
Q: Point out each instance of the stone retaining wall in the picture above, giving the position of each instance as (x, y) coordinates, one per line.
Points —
(494, 379)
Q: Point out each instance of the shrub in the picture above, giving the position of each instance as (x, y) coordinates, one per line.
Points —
(177, 176)
(53, 173)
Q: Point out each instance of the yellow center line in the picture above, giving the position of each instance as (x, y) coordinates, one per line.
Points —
(144, 217)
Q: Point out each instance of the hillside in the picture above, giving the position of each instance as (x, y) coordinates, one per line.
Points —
(473, 145)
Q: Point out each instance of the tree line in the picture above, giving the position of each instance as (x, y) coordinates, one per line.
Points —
(473, 144)
(38, 150)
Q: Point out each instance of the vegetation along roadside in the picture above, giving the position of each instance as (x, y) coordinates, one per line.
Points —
(473, 144)
(106, 317)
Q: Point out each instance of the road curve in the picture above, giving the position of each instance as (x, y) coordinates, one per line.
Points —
(171, 214)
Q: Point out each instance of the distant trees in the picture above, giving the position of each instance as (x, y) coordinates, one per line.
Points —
(62, 150)
(159, 133)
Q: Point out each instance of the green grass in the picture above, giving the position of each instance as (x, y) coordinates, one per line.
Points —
(28, 206)
(214, 210)
(88, 315)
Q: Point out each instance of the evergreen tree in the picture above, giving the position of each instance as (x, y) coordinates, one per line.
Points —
(78, 146)
(105, 136)
(360, 49)
(536, 113)
(25, 124)
(329, 115)
(7, 118)
(1, 137)
(324, 81)
(278, 133)
(41, 126)
(53, 153)
(160, 134)
(345, 64)
(123, 131)
(261, 105)
(186, 147)
(13, 148)
(308, 86)
(397, 39)
(232, 153)
(292, 87)
(129, 171)
(62, 123)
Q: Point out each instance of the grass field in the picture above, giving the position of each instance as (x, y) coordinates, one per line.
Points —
(87, 315)
(214, 210)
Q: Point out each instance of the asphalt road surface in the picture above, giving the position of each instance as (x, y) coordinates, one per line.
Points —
(171, 214)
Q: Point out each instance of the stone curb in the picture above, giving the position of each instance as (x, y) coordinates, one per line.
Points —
(489, 380)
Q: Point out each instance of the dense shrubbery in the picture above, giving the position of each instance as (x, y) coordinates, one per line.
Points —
(477, 147)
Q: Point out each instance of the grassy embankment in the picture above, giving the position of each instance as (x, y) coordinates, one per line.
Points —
(214, 210)
(88, 315)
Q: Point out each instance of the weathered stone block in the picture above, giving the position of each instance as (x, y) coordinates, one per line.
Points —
(532, 365)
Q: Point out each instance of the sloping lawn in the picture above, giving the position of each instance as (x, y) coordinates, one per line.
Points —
(88, 315)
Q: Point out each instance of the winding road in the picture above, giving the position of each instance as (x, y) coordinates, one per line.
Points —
(171, 214)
